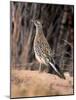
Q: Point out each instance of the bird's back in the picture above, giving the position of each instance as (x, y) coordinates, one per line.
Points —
(41, 46)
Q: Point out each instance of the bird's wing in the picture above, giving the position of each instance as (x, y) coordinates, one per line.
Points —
(48, 53)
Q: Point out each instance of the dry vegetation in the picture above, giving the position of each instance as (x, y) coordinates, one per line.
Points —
(26, 83)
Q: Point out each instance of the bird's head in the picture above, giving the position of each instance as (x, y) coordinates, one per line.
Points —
(37, 23)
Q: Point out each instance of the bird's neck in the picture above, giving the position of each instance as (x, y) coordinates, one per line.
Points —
(39, 30)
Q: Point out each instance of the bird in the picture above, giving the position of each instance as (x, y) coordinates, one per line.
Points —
(43, 51)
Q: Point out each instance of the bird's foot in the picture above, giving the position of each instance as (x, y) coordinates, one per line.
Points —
(40, 71)
(40, 68)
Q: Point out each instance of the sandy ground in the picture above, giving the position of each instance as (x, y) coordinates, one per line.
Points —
(25, 83)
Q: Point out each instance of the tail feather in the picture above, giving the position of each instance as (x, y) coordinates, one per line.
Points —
(57, 70)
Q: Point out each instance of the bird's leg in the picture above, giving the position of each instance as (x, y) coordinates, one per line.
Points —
(40, 68)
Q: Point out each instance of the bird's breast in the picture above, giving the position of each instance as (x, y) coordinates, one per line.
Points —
(40, 59)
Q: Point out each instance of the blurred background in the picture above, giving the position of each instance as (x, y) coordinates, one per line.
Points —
(58, 27)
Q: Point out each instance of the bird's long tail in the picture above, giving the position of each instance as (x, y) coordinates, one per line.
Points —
(57, 70)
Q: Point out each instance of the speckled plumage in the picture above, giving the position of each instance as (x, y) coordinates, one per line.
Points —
(43, 52)
(42, 48)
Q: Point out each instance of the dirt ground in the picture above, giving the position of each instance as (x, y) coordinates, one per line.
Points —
(26, 83)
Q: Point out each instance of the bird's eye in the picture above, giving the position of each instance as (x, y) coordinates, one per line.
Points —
(36, 22)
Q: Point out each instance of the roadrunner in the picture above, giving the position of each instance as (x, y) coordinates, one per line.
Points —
(43, 52)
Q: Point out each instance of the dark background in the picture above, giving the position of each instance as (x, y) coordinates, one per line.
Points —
(58, 27)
